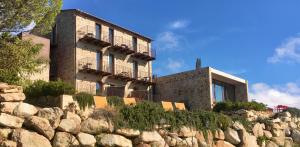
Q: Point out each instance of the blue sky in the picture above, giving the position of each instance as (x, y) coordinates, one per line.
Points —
(256, 40)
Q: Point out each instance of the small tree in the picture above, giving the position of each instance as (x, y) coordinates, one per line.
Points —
(18, 58)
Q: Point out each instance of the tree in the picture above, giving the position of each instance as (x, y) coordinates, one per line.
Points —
(17, 14)
(18, 58)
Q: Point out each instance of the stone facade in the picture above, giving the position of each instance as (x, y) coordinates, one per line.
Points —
(43, 74)
(195, 87)
(73, 51)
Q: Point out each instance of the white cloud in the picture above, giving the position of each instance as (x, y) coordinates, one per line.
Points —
(174, 65)
(167, 41)
(275, 95)
(288, 52)
(179, 24)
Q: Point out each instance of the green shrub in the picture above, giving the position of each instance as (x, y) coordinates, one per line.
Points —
(53, 88)
(246, 123)
(115, 101)
(294, 111)
(84, 100)
(145, 115)
(233, 106)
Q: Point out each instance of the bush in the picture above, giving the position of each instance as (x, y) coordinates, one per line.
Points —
(53, 88)
(145, 115)
(233, 106)
(115, 101)
(84, 100)
(294, 111)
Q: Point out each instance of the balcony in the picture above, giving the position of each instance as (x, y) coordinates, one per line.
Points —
(143, 78)
(122, 45)
(88, 34)
(88, 65)
(142, 52)
(140, 95)
(122, 73)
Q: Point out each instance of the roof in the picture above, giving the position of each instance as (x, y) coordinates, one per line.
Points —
(79, 12)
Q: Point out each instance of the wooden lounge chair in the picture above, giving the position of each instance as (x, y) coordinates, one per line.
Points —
(100, 102)
(167, 106)
(180, 106)
(129, 101)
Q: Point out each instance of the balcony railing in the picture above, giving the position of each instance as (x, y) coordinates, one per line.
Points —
(140, 95)
(91, 66)
(89, 34)
(143, 52)
(123, 45)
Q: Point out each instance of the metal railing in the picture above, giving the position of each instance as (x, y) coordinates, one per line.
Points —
(123, 42)
(145, 50)
(140, 94)
(89, 63)
(143, 75)
(123, 70)
(90, 31)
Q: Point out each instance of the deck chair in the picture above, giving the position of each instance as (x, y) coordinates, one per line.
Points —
(180, 106)
(167, 106)
(100, 102)
(129, 101)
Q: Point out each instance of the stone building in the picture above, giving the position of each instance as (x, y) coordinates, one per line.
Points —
(43, 74)
(99, 57)
(200, 88)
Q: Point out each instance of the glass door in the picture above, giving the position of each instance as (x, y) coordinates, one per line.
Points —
(219, 92)
(99, 60)
(111, 62)
(111, 36)
(98, 32)
(135, 69)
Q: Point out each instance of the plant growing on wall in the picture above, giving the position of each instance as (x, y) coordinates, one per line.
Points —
(84, 100)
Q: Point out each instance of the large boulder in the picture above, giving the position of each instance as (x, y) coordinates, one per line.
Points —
(69, 125)
(10, 121)
(153, 136)
(26, 138)
(40, 125)
(52, 114)
(247, 139)
(222, 143)
(70, 115)
(64, 139)
(8, 143)
(113, 140)
(271, 144)
(93, 126)
(232, 136)
(296, 136)
(219, 134)
(258, 130)
(86, 140)
(5, 88)
(5, 132)
(25, 110)
(238, 126)
(128, 132)
(8, 107)
(187, 132)
(12, 97)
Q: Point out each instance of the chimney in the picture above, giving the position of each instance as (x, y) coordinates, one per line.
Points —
(198, 64)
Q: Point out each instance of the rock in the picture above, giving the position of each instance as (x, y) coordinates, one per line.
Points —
(64, 139)
(5, 88)
(277, 120)
(40, 125)
(202, 144)
(153, 136)
(70, 115)
(271, 144)
(258, 130)
(128, 132)
(10, 121)
(286, 114)
(292, 125)
(186, 132)
(113, 140)
(86, 139)
(26, 138)
(200, 136)
(287, 132)
(192, 141)
(238, 126)
(286, 119)
(288, 142)
(222, 143)
(159, 144)
(232, 136)
(24, 110)
(209, 138)
(143, 145)
(170, 141)
(8, 107)
(5, 132)
(247, 139)
(219, 134)
(8, 143)
(277, 132)
(69, 125)
(296, 136)
(93, 126)
(52, 114)
(279, 140)
(12, 97)
(268, 134)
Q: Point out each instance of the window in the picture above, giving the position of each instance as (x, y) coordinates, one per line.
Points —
(218, 92)
(98, 88)
(111, 36)
(98, 32)
(111, 62)
(98, 60)
(134, 43)
(135, 69)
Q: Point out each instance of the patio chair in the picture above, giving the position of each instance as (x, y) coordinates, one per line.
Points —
(180, 106)
(167, 106)
(100, 102)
